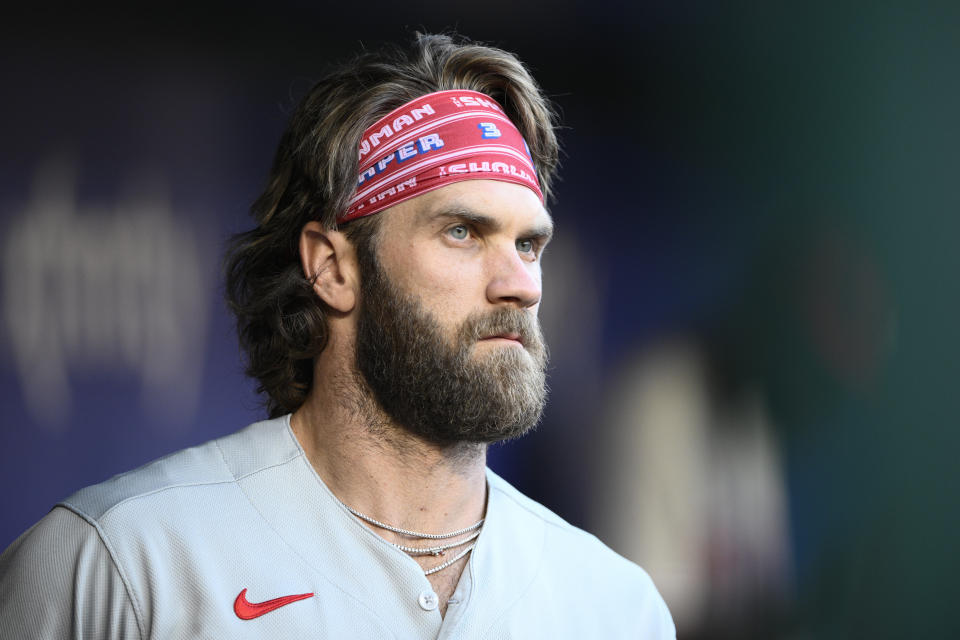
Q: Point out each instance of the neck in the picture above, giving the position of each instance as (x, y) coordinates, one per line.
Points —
(381, 469)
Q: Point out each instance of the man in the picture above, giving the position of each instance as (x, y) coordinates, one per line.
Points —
(388, 309)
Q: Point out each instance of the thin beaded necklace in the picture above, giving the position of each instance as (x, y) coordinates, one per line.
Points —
(438, 550)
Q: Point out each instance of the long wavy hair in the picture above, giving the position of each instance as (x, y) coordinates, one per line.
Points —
(281, 323)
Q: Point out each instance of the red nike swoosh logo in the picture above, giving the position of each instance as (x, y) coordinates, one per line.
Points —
(249, 610)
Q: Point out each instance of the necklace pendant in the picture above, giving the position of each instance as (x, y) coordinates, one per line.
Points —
(438, 553)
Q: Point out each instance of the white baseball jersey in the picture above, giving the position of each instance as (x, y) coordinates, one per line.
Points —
(239, 538)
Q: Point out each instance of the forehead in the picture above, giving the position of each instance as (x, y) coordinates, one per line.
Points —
(510, 206)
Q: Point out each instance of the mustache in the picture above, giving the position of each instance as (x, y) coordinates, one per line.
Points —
(507, 320)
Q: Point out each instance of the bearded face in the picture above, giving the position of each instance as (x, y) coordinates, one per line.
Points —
(442, 385)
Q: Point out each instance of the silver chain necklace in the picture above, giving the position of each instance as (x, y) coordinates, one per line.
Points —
(414, 534)
(438, 550)
(435, 551)
(449, 562)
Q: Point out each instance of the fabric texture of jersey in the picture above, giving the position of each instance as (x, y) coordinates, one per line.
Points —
(166, 550)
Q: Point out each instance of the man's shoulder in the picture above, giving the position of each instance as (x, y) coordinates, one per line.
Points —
(216, 462)
(561, 562)
(576, 547)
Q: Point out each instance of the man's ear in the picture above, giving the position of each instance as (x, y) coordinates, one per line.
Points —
(330, 264)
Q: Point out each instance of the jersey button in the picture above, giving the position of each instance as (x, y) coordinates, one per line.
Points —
(428, 600)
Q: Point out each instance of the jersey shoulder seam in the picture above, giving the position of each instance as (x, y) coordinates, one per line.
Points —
(180, 485)
(223, 456)
(104, 540)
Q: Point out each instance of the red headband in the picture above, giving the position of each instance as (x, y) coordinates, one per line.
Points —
(435, 140)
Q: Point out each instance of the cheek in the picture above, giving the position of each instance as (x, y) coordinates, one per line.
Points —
(455, 288)
(448, 287)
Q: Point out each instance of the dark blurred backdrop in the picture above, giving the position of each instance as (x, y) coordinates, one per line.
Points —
(750, 302)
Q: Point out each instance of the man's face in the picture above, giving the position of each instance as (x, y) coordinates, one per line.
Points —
(447, 338)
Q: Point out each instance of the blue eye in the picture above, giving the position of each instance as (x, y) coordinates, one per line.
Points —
(459, 232)
(525, 246)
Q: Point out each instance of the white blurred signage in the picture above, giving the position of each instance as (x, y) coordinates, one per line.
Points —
(118, 289)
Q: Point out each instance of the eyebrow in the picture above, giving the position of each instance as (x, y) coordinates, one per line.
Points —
(542, 232)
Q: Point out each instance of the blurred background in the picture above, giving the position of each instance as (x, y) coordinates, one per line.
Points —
(751, 300)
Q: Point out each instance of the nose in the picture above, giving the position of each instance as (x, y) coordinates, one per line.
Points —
(514, 280)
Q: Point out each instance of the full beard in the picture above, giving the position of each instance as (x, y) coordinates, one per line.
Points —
(449, 393)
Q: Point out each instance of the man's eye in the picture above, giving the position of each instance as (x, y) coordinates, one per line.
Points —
(525, 246)
(459, 232)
